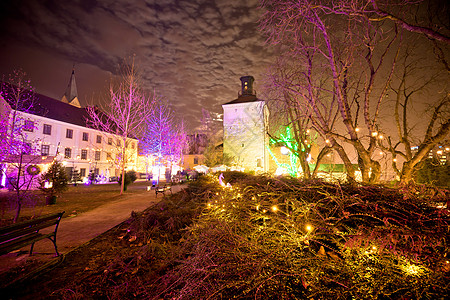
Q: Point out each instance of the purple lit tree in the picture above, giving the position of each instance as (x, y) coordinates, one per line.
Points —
(164, 137)
(18, 155)
(123, 115)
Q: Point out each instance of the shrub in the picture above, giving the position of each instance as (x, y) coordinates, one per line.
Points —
(130, 177)
(56, 180)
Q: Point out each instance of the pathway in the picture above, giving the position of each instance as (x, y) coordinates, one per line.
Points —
(75, 231)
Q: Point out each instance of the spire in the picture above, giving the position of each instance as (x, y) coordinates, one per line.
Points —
(71, 94)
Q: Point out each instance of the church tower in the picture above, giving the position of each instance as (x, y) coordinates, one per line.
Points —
(245, 125)
(71, 94)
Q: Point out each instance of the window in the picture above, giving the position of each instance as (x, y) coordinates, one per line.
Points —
(85, 136)
(132, 146)
(96, 171)
(82, 172)
(45, 150)
(69, 133)
(99, 139)
(258, 163)
(108, 156)
(47, 129)
(109, 141)
(97, 155)
(119, 144)
(67, 153)
(28, 126)
(83, 154)
(196, 160)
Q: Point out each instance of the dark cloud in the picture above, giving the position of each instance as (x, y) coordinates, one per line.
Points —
(192, 52)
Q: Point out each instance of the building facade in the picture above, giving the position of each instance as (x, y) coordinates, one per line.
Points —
(245, 127)
(57, 129)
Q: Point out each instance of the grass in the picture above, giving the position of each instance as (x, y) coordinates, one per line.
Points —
(76, 200)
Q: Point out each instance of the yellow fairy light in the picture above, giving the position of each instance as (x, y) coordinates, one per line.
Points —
(274, 208)
(374, 134)
(327, 141)
(257, 207)
(357, 129)
(309, 227)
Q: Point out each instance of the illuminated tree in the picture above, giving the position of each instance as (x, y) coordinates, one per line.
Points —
(339, 58)
(124, 115)
(339, 61)
(19, 156)
(164, 137)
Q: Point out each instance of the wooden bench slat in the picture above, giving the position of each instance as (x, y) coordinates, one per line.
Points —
(10, 235)
(18, 235)
(20, 242)
(29, 222)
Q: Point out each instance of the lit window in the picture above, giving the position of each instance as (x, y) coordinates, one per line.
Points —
(99, 139)
(69, 133)
(97, 155)
(45, 150)
(85, 136)
(83, 154)
(82, 172)
(67, 153)
(47, 129)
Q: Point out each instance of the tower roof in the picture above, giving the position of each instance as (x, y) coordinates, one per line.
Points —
(247, 93)
(71, 94)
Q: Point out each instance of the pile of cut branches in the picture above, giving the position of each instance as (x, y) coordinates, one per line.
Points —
(279, 238)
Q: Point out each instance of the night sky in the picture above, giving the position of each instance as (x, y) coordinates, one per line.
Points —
(193, 52)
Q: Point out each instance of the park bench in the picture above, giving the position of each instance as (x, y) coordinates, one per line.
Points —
(16, 236)
(163, 189)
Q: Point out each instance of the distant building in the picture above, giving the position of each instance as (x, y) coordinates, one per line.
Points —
(58, 128)
(196, 145)
(245, 126)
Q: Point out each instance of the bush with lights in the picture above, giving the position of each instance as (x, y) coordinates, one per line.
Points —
(267, 238)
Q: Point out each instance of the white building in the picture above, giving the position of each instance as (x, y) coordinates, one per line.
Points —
(57, 128)
(245, 126)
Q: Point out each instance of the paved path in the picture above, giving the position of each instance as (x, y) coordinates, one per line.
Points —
(74, 231)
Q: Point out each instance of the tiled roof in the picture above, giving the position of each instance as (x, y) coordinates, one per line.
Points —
(49, 108)
(58, 110)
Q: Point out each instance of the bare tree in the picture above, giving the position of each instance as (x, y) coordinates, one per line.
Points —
(164, 136)
(19, 155)
(417, 79)
(125, 113)
(347, 64)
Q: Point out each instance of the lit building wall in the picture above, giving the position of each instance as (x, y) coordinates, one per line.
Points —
(245, 122)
